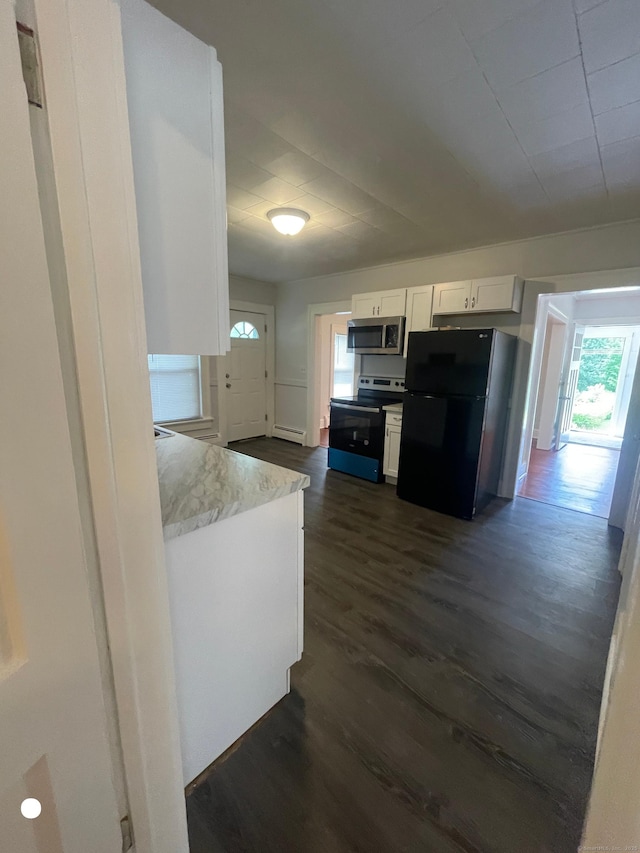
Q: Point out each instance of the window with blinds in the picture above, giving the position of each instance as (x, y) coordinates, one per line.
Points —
(175, 387)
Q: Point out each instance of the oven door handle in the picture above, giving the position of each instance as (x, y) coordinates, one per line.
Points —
(354, 408)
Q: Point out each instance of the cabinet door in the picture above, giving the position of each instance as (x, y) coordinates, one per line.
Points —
(419, 316)
(502, 293)
(392, 303)
(174, 95)
(452, 297)
(392, 451)
(364, 305)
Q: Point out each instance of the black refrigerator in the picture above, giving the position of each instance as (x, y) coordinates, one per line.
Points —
(454, 418)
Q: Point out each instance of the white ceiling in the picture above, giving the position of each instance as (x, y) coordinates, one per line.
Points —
(412, 127)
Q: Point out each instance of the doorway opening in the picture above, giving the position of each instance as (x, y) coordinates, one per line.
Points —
(335, 366)
(603, 390)
(586, 384)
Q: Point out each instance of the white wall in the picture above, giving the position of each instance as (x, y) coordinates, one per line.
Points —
(251, 290)
(550, 259)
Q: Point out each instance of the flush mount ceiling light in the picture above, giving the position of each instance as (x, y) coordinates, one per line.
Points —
(288, 220)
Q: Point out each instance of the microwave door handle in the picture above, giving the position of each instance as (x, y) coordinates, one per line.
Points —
(354, 408)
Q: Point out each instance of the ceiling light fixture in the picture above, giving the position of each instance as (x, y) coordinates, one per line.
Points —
(288, 220)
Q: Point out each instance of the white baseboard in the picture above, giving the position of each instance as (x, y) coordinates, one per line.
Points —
(298, 436)
(535, 434)
(214, 438)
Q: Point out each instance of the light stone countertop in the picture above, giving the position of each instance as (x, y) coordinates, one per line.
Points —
(201, 483)
(394, 407)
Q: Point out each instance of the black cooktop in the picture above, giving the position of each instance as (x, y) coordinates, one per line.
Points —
(370, 399)
(376, 391)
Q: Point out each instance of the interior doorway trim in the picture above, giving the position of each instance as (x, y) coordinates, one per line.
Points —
(269, 317)
(313, 389)
(81, 46)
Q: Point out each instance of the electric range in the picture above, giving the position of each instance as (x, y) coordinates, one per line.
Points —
(356, 428)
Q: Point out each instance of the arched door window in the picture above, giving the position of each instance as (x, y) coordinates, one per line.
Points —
(245, 330)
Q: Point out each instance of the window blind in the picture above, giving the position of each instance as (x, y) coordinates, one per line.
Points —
(175, 387)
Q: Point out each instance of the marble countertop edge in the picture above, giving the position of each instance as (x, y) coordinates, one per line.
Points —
(202, 483)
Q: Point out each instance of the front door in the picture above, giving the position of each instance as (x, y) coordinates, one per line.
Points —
(245, 378)
(53, 743)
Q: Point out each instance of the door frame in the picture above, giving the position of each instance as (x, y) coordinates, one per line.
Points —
(313, 356)
(542, 311)
(334, 330)
(81, 48)
(270, 355)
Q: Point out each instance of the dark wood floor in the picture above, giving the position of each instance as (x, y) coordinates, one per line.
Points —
(449, 691)
(579, 477)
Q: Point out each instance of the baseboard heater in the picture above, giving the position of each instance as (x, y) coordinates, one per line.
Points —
(290, 434)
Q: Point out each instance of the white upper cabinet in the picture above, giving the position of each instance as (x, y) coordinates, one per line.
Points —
(502, 293)
(384, 303)
(452, 297)
(174, 93)
(419, 311)
(364, 305)
(480, 295)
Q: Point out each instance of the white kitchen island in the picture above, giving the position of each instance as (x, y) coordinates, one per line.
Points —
(233, 529)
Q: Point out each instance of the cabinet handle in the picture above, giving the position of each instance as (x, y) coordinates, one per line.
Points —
(473, 302)
(228, 385)
(466, 302)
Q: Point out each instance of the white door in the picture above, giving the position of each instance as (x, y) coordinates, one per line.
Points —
(393, 303)
(628, 461)
(492, 294)
(419, 317)
(245, 378)
(391, 460)
(568, 388)
(550, 384)
(364, 305)
(53, 742)
(451, 297)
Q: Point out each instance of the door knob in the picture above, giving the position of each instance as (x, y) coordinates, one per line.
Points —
(227, 375)
(228, 385)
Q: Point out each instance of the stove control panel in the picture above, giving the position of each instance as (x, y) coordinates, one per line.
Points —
(381, 383)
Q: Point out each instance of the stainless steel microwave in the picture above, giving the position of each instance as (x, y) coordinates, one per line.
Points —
(380, 335)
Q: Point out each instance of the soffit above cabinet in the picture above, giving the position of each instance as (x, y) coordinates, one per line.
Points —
(414, 128)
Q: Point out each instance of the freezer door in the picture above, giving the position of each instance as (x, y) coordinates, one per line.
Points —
(440, 452)
(454, 362)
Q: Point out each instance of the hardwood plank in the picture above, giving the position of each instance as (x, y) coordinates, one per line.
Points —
(579, 477)
(449, 692)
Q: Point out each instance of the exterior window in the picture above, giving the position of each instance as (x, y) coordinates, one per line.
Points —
(243, 329)
(175, 387)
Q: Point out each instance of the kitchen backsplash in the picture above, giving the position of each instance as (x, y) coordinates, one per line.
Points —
(383, 365)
